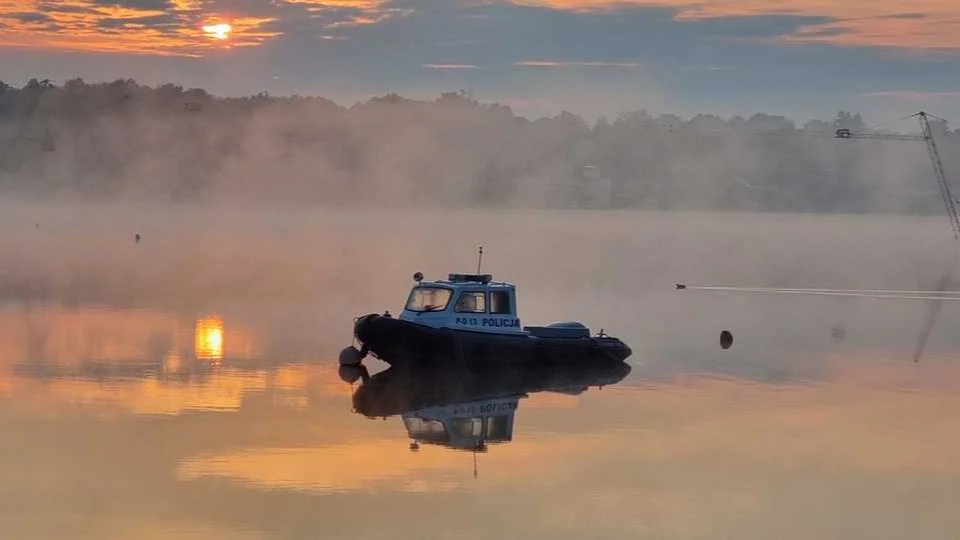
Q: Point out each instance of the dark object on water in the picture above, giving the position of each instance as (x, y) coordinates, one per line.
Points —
(403, 343)
(38, 225)
(468, 409)
(137, 238)
(351, 356)
(726, 339)
(352, 374)
(681, 287)
(838, 332)
(401, 391)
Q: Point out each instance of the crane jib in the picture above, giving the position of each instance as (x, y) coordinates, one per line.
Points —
(949, 201)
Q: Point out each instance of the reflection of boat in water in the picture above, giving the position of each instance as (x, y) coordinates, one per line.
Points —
(465, 409)
(469, 319)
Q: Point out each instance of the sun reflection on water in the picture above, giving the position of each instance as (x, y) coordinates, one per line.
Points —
(208, 342)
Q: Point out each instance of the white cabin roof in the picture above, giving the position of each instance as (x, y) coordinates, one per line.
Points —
(472, 281)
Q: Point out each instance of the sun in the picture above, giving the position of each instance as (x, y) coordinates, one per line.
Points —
(218, 31)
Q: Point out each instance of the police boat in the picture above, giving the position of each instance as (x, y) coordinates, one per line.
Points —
(470, 319)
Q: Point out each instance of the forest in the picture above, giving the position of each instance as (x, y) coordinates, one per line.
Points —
(122, 140)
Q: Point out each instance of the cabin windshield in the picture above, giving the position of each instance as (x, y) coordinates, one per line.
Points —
(429, 299)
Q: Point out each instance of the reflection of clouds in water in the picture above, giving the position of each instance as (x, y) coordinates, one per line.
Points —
(796, 441)
(66, 336)
(69, 336)
(223, 390)
(135, 361)
(374, 464)
(680, 439)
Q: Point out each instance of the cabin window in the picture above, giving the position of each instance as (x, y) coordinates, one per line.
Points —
(429, 299)
(500, 303)
(426, 430)
(498, 427)
(472, 302)
(467, 427)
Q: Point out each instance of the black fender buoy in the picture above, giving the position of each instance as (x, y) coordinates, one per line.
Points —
(726, 339)
(350, 356)
(352, 374)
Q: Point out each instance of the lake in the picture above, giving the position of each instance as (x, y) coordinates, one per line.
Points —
(187, 386)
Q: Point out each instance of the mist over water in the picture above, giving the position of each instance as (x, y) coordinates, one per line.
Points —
(186, 386)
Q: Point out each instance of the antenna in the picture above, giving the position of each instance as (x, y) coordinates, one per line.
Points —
(480, 260)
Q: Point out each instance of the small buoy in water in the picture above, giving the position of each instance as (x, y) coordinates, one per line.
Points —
(38, 225)
(726, 339)
(137, 237)
(350, 356)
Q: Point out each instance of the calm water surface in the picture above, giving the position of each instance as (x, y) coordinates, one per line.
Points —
(187, 387)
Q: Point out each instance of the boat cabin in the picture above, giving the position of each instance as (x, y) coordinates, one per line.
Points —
(464, 426)
(472, 302)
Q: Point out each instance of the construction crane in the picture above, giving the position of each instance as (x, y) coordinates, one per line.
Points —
(927, 137)
(948, 199)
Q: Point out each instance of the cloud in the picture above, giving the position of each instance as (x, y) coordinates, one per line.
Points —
(561, 64)
(334, 14)
(914, 95)
(451, 66)
(136, 4)
(171, 27)
(866, 23)
(30, 17)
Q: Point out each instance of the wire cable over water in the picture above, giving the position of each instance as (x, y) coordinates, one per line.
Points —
(943, 295)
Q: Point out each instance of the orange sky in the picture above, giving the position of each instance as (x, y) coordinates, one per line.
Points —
(88, 26)
(920, 24)
(84, 25)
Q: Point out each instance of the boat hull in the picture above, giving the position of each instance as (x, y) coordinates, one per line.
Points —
(402, 343)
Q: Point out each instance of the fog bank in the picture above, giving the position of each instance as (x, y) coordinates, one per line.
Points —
(123, 141)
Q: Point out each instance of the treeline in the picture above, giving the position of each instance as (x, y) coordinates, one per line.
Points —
(125, 140)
